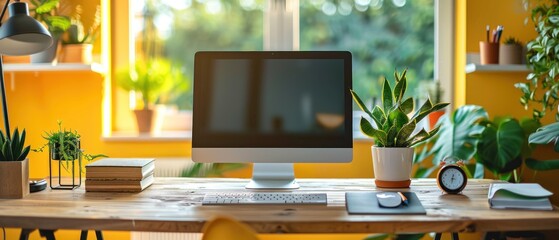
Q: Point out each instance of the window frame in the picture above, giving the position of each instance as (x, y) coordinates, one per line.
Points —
(124, 42)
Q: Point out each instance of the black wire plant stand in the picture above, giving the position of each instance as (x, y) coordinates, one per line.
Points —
(70, 165)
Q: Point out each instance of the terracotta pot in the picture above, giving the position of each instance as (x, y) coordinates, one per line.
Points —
(510, 54)
(144, 119)
(434, 118)
(77, 53)
(14, 179)
(392, 166)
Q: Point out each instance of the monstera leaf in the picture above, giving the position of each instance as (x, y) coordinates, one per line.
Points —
(545, 135)
(500, 145)
(458, 133)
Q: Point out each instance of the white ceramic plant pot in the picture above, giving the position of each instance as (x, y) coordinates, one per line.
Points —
(392, 166)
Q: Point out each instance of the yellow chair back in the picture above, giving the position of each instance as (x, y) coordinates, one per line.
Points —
(224, 228)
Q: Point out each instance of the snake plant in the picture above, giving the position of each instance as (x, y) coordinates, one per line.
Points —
(12, 149)
(395, 121)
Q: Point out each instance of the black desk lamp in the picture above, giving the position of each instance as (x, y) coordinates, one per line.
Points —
(19, 35)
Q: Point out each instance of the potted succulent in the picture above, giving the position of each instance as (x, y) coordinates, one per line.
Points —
(148, 80)
(510, 52)
(14, 165)
(45, 11)
(394, 132)
(77, 43)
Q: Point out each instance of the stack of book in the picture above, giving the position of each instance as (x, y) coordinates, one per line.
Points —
(119, 174)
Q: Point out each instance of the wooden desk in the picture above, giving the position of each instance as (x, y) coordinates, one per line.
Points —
(173, 205)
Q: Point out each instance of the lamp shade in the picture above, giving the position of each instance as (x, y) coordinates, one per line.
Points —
(22, 34)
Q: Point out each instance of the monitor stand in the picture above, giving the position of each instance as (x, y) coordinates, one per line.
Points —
(272, 176)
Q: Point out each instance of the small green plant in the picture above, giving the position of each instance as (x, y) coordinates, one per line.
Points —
(430, 89)
(64, 144)
(12, 149)
(46, 11)
(393, 125)
(150, 79)
(512, 41)
(76, 33)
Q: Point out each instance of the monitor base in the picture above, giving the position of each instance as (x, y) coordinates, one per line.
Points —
(272, 176)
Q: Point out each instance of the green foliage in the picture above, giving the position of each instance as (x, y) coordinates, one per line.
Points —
(393, 127)
(46, 11)
(381, 38)
(64, 144)
(210, 169)
(543, 58)
(430, 89)
(76, 33)
(151, 79)
(503, 145)
(12, 149)
(512, 41)
(458, 137)
(545, 135)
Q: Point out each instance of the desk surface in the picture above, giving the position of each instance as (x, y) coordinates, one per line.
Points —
(173, 205)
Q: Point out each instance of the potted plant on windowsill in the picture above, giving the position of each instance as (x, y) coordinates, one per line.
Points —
(433, 88)
(148, 80)
(77, 44)
(394, 132)
(14, 165)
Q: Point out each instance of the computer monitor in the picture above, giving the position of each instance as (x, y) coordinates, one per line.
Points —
(272, 109)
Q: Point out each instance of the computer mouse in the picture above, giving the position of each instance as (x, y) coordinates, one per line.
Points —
(389, 199)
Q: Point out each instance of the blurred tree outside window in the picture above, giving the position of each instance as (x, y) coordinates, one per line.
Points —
(382, 35)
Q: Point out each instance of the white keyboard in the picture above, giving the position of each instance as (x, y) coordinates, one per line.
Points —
(235, 198)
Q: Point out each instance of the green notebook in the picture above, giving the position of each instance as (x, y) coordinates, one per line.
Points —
(367, 203)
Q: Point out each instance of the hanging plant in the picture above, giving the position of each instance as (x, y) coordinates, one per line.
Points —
(543, 58)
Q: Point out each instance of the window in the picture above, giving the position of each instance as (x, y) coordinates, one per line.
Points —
(382, 35)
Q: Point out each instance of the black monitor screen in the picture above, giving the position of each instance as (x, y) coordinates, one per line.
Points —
(272, 99)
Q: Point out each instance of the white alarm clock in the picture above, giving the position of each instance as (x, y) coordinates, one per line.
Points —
(451, 177)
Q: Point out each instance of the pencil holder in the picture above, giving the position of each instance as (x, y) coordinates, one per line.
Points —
(489, 52)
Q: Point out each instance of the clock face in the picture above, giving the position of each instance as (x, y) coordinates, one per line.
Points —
(452, 179)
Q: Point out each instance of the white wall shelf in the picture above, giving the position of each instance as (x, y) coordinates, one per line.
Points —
(474, 67)
(48, 67)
